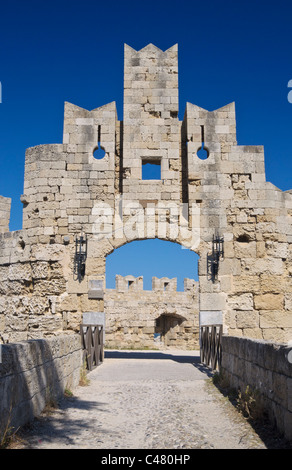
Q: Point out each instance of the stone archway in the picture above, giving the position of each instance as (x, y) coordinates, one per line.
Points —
(168, 330)
(132, 308)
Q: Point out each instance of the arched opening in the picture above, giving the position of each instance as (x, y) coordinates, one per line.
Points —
(151, 297)
(167, 326)
(153, 257)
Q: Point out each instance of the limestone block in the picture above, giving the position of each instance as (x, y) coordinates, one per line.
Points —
(210, 317)
(53, 252)
(212, 301)
(260, 249)
(288, 301)
(68, 302)
(277, 250)
(50, 287)
(40, 270)
(95, 288)
(245, 250)
(47, 323)
(268, 301)
(272, 284)
(277, 335)
(255, 333)
(274, 318)
(241, 302)
(75, 287)
(19, 271)
(246, 284)
(273, 266)
(16, 323)
(36, 305)
(230, 266)
(72, 320)
(247, 319)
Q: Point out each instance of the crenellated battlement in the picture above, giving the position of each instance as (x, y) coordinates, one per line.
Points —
(158, 318)
(131, 283)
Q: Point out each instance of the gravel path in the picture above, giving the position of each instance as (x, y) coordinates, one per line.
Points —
(144, 400)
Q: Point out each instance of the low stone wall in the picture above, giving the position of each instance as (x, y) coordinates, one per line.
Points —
(265, 367)
(34, 373)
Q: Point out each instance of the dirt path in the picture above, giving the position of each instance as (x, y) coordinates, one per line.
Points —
(144, 400)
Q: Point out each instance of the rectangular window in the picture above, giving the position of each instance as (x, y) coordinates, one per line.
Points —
(151, 169)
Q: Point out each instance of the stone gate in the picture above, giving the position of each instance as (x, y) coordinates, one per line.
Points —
(155, 319)
(209, 194)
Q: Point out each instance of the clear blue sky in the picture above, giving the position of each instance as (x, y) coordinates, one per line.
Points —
(57, 51)
(150, 258)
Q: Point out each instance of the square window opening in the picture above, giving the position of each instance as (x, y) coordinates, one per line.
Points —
(151, 169)
(130, 285)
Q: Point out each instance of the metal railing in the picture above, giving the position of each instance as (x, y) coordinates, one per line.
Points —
(210, 345)
(92, 344)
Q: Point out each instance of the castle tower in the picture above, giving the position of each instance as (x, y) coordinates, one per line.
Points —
(151, 129)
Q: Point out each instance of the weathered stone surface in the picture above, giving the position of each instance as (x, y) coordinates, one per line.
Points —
(241, 302)
(267, 371)
(288, 301)
(268, 302)
(247, 319)
(69, 190)
(33, 373)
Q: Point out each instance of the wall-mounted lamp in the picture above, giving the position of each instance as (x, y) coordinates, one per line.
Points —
(80, 256)
(213, 259)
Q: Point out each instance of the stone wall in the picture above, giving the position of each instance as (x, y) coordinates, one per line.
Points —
(36, 299)
(265, 367)
(5, 205)
(254, 218)
(33, 284)
(159, 318)
(35, 373)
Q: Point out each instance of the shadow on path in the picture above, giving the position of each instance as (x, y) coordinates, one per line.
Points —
(183, 359)
(57, 426)
(75, 417)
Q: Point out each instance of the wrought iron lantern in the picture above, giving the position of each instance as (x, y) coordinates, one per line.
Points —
(80, 256)
(214, 258)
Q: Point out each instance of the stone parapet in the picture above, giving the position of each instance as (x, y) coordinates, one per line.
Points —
(266, 367)
(35, 373)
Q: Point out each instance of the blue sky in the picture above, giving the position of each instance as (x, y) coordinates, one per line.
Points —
(150, 258)
(57, 51)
